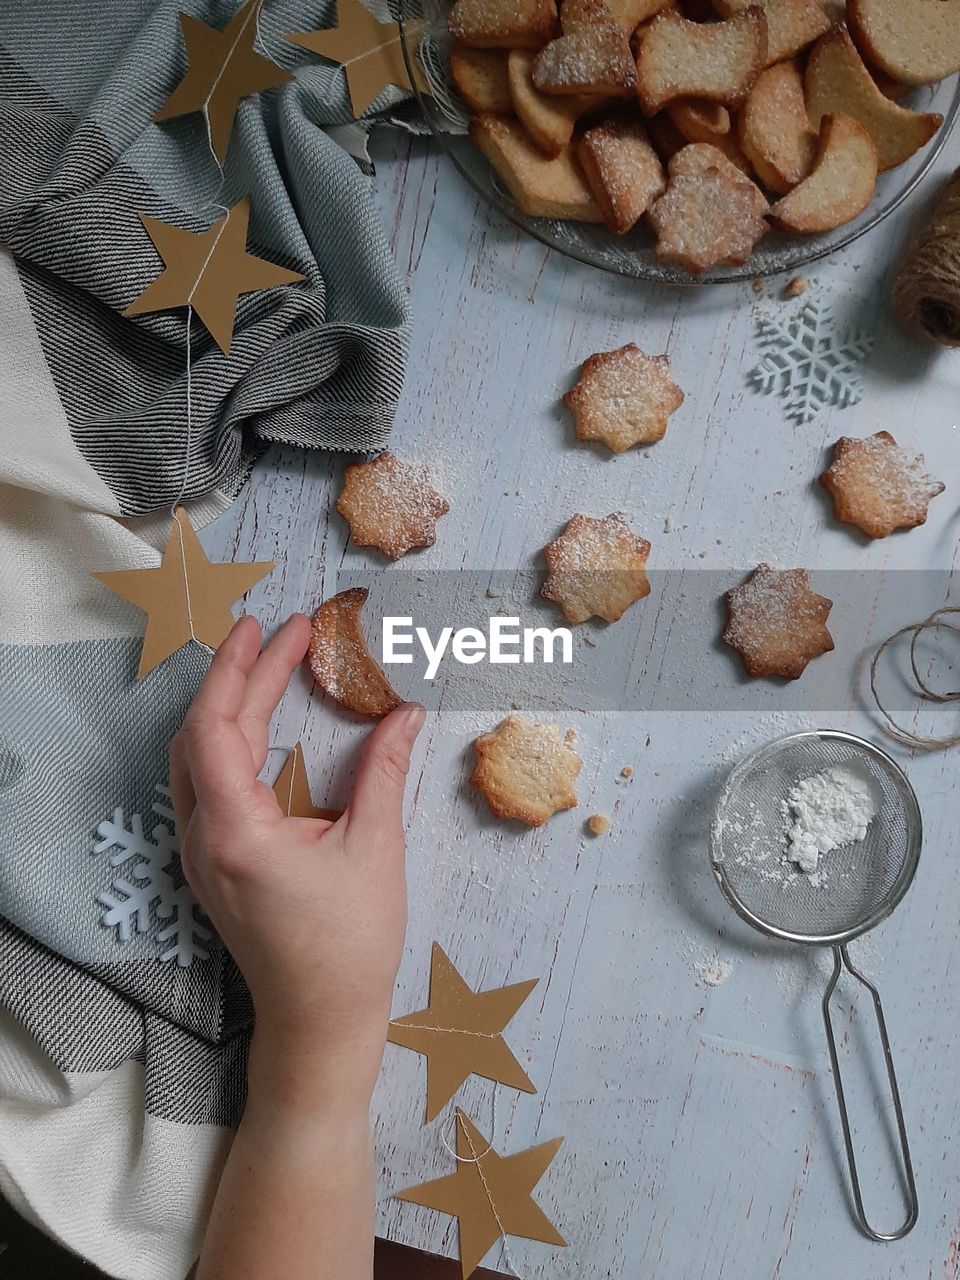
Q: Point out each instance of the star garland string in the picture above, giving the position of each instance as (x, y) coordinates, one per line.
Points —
(208, 271)
(292, 790)
(223, 68)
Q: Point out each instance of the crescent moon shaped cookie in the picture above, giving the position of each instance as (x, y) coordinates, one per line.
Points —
(878, 486)
(596, 568)
(778, 623)
(390, 505)
(341, 663)
(527, 770)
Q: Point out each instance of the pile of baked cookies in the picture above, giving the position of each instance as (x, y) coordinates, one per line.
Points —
(597, 568)
(712, 120)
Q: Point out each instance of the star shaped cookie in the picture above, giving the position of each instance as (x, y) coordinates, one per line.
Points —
(390, 505)
(623, 398)
(777, 622)
(491, 1195)
(596, 568)
(707, 218)
(878, 486)
(461, 1033)
(526, 770)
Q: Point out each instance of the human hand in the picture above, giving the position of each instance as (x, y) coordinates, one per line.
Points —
(313, 912)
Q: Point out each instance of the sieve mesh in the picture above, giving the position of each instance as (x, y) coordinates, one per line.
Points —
(857, 885)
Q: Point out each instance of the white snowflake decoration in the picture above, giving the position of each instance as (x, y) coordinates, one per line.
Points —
(151, 893)
(808, 361)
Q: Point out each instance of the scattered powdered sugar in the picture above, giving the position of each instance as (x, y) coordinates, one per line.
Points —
(827, 810)
(713, 972)
(706, 964)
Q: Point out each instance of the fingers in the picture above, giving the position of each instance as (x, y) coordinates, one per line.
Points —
(212, 754)
(181, 788)
(268, 680)
(223, 688)
(378, 796)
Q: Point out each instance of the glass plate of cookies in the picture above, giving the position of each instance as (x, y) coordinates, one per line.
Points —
(688, 141)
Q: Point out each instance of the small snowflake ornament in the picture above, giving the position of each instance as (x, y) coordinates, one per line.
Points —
(808, 361)
(151, 894)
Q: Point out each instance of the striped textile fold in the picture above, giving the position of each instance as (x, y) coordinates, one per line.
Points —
(318, 364)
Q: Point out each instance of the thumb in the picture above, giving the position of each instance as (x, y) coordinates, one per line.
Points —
(377, 803)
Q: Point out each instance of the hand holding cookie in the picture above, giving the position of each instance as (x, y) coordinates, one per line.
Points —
(309, 909)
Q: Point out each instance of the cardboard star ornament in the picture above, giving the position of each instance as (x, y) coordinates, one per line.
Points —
(224, 67)
(368, 50)
(490, 1194)
(207, 270)
(186, 597)
(460, 1033)
(292, 790)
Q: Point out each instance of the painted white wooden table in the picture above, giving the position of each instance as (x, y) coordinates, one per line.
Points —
(702, 1139)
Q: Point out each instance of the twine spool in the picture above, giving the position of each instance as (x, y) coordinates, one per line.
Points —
(927, 291)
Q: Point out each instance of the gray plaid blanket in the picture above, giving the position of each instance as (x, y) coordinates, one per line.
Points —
(121, 1072)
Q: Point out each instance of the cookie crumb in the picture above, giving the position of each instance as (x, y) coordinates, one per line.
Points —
(796, 287)
(757, 284)
(626, 771)
(599, 824)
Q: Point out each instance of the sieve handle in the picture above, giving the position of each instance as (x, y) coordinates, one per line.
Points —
(841, 958)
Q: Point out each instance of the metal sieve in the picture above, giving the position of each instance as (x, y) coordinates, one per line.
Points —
(859, 885)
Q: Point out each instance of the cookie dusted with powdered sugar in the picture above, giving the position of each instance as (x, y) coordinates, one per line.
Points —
(878, 486)
(623, 398)
(341, 663)
(527, 770)
(390, 505)
(623, 171)
(592, 56)
(777, 623)
(596, 568)
(503, 24)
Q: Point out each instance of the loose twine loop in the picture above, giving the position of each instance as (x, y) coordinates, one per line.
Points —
(915, 630)
(927, 290)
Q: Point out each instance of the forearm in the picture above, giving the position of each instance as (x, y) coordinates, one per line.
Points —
(296, 1198)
